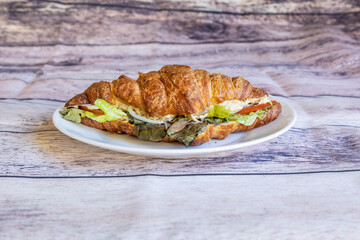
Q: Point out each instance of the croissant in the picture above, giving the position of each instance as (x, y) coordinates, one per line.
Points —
(177, 103)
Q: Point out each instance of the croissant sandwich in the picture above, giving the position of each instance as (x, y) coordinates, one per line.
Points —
(176, 103)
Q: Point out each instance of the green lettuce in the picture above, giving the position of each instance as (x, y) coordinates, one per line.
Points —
(177, 126)
(248, 119)
(100, 118)
(150, 132)
(112, 113)
(219, 114)
(215, 121)
(73, 114)
(262, 112)
(110, 110)
(189, 133)
(219, 111)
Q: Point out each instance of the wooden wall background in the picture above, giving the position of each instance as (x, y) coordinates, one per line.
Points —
(305, 51)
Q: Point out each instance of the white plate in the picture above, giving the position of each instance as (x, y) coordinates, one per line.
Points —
(128, 144)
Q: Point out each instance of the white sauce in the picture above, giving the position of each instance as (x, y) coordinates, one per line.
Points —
(236, 105)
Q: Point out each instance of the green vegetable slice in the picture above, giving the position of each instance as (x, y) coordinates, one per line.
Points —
(110, 110)
(262, 112)
(215, 121)
(248, 119)
(189, 133)
(150, 132)
(218, 111)
(177, 126)
(112, 113)
(219, 114)
(73, 114)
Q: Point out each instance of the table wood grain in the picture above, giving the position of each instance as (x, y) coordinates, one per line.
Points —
(295, 207)
(304, 52)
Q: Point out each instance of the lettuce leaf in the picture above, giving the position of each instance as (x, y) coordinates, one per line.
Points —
(219, 111)
(262, 112)
(150, 132)
(248, 119)
(110, 110)
(177, 126)
(218, 114)
(100, 118)
(112, 113)
(189, 133)
(73, 114)
(215, 121)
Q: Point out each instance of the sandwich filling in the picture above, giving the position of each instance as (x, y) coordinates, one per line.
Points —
(183, 128)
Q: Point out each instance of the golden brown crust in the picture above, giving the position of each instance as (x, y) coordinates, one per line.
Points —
(204, 79)
(154, 93)
(183, 90)
(168, 139)
(91, 123)
(222, 88)
(174, 89)
(128, 90)
(77, 100)
(113, 127)
(223, 130)
(242, 88)
(203, 137)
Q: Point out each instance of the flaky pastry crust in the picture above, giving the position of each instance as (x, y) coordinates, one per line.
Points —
(176, 90)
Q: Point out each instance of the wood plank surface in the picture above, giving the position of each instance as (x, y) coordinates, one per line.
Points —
(220, 6)
(298, 207)
(52, 23)
(72, 69)
(304, 52)
(320, 141)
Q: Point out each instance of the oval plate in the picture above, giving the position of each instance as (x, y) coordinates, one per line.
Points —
(129, 144)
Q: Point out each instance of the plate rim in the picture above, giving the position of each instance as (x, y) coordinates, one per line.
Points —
(171, 152)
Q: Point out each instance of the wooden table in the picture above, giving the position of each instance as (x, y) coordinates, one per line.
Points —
(304, 184)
